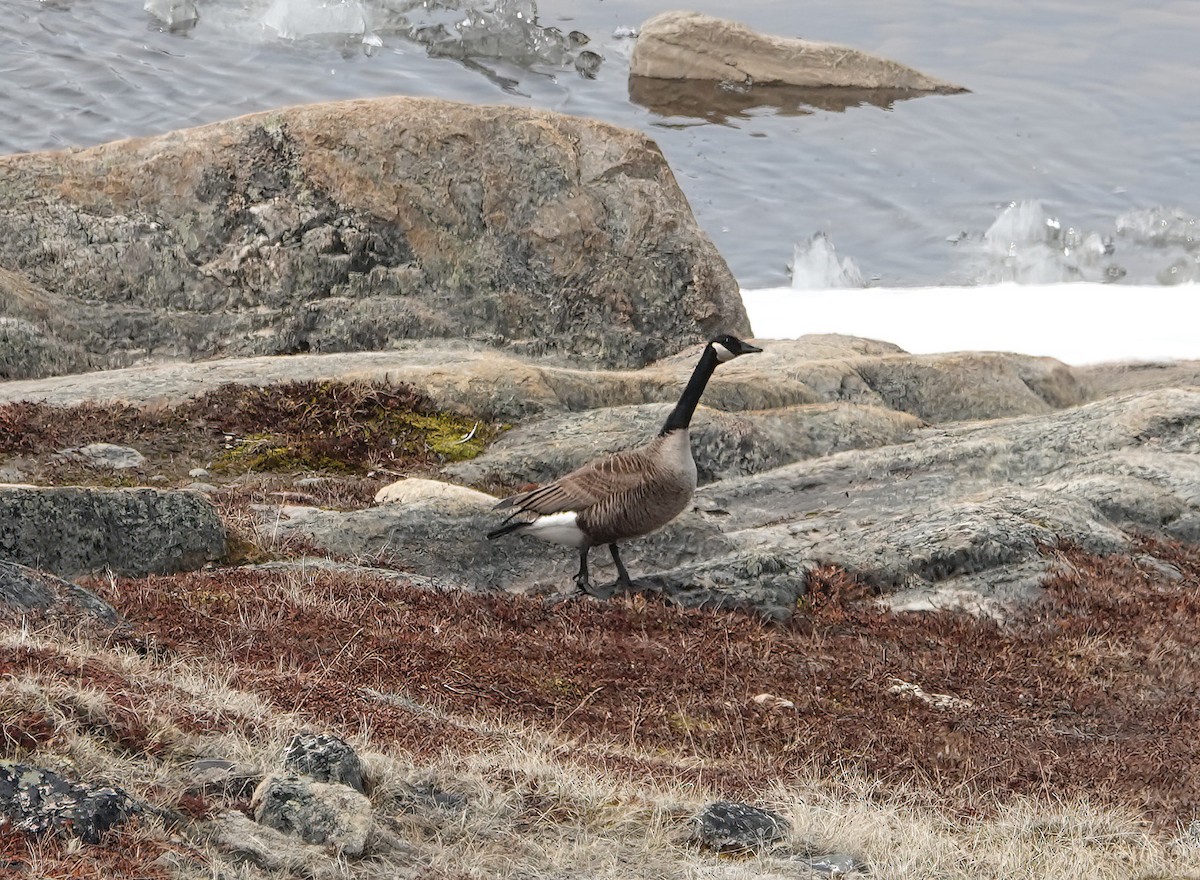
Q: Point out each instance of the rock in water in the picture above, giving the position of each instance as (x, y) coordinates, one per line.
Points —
(348, 226)
(688, 45)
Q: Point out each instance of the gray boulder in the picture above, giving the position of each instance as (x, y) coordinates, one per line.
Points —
(109, 456)
(76, 530)
(350, 226)
(26, 591)
(689, 45)
(329, 814)
(36, 800)
(728, 826)
(324, 758)
(958, 517)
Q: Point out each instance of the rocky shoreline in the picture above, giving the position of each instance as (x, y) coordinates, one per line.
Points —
(276, 370)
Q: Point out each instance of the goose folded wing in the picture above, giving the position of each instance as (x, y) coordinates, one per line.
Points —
(582, 488)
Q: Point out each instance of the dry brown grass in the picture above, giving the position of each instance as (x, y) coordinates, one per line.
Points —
(582, 736)
(1091, 694)
(541, 797)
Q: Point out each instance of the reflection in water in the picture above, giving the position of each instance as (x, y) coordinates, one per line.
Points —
(719, 102)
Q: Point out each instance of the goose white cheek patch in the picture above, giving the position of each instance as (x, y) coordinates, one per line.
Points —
(723, 354)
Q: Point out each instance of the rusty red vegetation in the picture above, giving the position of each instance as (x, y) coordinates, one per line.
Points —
(122, 852)
(127, 722)
(1093, 691)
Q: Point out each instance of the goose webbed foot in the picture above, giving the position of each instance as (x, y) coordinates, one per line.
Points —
(624, 581)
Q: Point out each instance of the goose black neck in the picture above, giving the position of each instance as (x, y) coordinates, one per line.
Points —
(681, 416)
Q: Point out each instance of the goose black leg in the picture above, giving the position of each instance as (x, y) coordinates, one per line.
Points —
(622, 575)
(581, 579)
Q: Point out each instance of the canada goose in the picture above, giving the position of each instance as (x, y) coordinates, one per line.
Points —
(624, 495)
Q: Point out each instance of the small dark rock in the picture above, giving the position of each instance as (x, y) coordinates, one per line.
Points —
(325, 758)
(38, 801)
(726, 826)
(26, 591)
(215, 775)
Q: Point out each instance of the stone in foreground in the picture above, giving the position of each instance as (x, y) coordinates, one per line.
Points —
(689, 45)
(334, 815)
(37, 801)
(725, 826)
(77, 530)
(26, 591)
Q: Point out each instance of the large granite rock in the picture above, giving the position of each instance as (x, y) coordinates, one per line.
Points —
(483, 382)
(76, 530)
(723, 444)
(350, 226)
(958, 517)
(690, 45)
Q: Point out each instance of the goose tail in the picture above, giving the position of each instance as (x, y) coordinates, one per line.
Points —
(505, 529)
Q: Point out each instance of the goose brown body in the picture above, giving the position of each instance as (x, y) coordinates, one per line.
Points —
(627, 494)
(621, 496)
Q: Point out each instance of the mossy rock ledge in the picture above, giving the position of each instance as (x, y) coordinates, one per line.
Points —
(349, 226)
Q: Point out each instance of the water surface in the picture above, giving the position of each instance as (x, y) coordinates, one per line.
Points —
(1090, 107)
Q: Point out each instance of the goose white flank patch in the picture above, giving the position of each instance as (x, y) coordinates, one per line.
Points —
(627, 494)
(1078, 323)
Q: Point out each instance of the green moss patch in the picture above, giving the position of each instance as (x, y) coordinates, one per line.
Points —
(333, 427)
(336, 426)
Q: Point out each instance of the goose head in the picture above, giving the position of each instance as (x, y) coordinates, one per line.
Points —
(728, 347)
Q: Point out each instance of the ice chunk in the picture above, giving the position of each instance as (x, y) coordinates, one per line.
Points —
(1021, 224)
(1027, 245)
(1182, 271)
(294, 19)
(1161, 226)
(177, 15)
(816, 266)
(506, 30)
